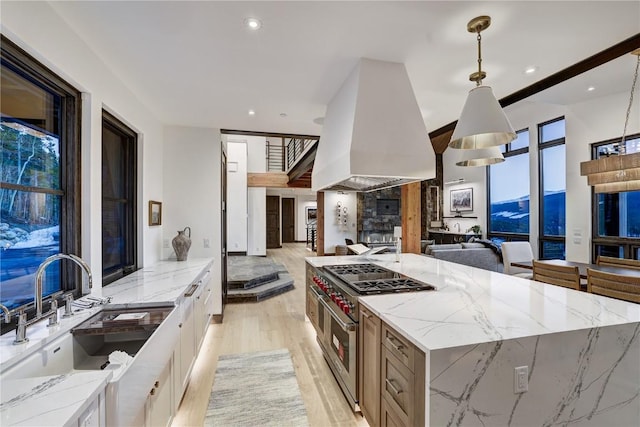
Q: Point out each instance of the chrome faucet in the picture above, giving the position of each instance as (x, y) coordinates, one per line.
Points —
(457, 225)
(7, 314)
(52, 314)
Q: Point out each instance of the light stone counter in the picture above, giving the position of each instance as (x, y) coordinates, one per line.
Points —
(164, 282)
(582, 351)
(48, 401)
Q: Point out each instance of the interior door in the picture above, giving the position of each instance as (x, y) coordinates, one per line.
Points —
(273, 222)
(223, 231)
(288, 220)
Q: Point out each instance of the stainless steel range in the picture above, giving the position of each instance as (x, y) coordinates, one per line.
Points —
(332, 307)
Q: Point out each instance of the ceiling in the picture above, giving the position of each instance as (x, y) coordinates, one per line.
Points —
(197, 64)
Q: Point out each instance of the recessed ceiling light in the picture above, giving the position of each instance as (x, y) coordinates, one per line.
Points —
(319, 120)
(253, 23)
(591, 88)
(530, 70)
(283, 114)
(252, 113)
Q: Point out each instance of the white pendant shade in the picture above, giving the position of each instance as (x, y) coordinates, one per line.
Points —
(480, 157)
(482, 123)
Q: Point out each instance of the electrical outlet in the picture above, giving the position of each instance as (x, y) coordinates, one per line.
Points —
(206, 242)
(521, 379)
(165, 243)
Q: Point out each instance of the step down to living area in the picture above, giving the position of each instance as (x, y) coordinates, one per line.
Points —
(253, 279)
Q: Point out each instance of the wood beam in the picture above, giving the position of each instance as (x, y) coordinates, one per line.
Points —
(268, 179)
(410, 201)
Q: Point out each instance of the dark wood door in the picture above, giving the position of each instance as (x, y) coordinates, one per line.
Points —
(273, 222)
(288, 220)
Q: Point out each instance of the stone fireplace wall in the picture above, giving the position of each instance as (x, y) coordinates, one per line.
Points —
(373, 226)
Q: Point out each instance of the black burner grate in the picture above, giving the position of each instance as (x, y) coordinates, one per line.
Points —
(368, 287)
(352, 269)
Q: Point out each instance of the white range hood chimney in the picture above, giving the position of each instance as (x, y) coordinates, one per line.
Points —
(373, 136)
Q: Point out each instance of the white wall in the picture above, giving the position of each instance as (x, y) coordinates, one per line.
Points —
(257, 221)
(36, 28)
(303, 202)
(475, 178)
(333, 234)
(192, 195)
(237, 196)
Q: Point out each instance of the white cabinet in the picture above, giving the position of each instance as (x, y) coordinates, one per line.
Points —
(160, 401)
(94, 415)
(187, 344)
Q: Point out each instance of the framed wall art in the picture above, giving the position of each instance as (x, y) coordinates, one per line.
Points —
(155, 212)
(462, 200)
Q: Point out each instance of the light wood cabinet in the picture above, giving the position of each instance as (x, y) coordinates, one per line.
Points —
(369, 362)
(391, 376)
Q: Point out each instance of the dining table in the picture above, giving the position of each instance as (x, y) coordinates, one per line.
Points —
(582, 268)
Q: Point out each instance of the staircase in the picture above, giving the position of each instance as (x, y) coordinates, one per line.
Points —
(253, 279)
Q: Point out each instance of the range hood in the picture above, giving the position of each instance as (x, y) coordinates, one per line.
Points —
(373, 136)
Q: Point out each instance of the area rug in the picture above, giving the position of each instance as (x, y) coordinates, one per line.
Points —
(256, 389)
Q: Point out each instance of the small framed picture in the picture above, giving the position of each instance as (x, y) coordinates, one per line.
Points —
(312, 215)
(155, 212)
(462, 200)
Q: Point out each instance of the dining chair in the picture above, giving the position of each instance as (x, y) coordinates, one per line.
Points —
(618, 262)
(560, 275)
(613, 285)
(516, 252)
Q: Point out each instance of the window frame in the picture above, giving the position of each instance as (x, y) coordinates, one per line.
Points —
(506, 152)
(542, 238)
(120, 128)
(629, 245)
(25, 65)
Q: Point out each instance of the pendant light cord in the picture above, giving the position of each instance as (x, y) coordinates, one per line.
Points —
(479, 81)
(622, 148)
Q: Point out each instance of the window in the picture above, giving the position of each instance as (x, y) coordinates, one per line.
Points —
(616, 225)
(39, 178)
(508, 194)
(118, 199)
(551, 143)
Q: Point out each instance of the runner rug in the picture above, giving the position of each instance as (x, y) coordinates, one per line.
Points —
(256, 389)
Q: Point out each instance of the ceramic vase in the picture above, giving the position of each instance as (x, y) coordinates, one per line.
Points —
(181, 244)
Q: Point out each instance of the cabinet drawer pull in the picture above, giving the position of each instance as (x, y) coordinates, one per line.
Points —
(395, 344)
(156, 384)
(393, 388)
(152, 392)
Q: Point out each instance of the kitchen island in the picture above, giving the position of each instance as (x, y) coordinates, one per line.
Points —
(579, 354)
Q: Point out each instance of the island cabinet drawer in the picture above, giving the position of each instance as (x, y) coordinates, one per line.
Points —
(389, 417)
(399, 347)
(402, 391)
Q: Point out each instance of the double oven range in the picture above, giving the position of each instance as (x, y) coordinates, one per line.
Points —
(332, 306)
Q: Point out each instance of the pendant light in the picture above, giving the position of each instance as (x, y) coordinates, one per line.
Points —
(620, 173)
(482, 123)
(480, 157)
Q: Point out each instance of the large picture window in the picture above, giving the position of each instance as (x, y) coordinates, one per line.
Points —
(551, 143)
(508, 193)
(616, 224)
(39, 198)
(119, 183)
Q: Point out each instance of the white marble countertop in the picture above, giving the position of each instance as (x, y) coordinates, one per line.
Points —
(472, 305)
(46, 401)
(163, 282)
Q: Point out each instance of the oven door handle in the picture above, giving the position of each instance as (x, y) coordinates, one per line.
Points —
(347, 327)
(318, 295)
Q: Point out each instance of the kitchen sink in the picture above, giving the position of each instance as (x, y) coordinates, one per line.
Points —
(125, 328)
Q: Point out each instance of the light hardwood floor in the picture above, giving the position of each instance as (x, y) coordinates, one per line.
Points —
(278, 322)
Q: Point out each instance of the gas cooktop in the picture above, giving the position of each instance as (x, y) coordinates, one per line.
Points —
(368, 279)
